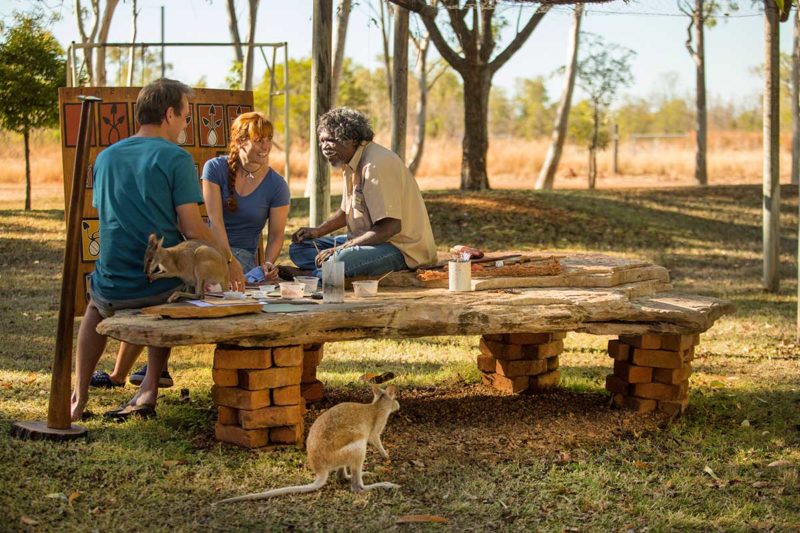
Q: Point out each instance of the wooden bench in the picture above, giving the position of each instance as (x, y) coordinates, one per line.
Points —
(265, 364)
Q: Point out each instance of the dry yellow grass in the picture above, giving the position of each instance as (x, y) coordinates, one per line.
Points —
(733, 157)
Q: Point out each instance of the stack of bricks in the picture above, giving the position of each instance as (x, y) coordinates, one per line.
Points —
(311, 388)
(518, 362)
(651, 372)
(257, 394)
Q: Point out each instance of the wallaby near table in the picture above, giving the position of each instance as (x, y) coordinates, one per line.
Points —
(337, 441)
(195, 262)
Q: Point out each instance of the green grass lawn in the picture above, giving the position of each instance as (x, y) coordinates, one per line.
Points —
(553, 462)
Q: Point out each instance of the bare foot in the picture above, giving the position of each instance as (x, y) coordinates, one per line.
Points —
(77, 407)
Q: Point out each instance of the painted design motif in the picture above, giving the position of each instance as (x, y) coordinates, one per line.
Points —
(209, 126)
(87, 284)
(234, 111)
(114, 123)
(186, 137)
(90, 239)
(90, 176)
(71, 121)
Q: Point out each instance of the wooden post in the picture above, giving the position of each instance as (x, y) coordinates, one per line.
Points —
(400, 82)
(59, 426)
(771, 186)
(286, 138)
(320, 193)
(796, 99)
(615, 149)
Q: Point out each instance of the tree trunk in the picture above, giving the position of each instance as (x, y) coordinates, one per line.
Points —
(701, 128)
(477, 84)
(592, 163)
(400, 82)
(132, 58)
(26, 137)
(339, 39)
(593, 149)
(318, 170)
(771, 187)
(247, 67)
(548, 173)
(233, 27)
(387, 59)
(796, 100)
(102, 38)
(422, 108)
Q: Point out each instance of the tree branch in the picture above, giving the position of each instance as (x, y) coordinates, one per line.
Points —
(428, 16)
(487, 38)
(519, 39)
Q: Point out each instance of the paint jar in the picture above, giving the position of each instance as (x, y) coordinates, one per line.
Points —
(459, 276)
(333, 282)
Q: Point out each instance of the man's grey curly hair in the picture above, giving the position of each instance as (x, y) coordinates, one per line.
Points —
(346, 124)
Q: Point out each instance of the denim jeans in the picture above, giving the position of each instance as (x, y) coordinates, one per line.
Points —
(246, 258)
(358, 260)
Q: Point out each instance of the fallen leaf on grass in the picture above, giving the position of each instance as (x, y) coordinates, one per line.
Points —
(760, 484)
(417, 463)
(28, 521)
(74, 495)
(745, 423)
(641, 465)
(420, 518)
(779, 463)
(707, 470)
(170, 464)
(58, 496)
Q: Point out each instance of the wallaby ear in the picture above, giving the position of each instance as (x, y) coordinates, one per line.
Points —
(152, 240)
(391, 391)
(161, 242)
(376, 391)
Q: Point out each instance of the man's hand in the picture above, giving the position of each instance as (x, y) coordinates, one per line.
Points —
(235, 275)
(304, 234)
(323, 256)
(270, 271)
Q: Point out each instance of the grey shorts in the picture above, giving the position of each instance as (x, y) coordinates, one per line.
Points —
(107, 308)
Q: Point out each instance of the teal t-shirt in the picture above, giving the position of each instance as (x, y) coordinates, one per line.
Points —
(138, 183)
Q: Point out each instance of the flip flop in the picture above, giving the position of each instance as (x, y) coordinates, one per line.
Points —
(125, 412)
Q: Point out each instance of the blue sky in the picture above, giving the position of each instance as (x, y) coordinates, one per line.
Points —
(733, 48)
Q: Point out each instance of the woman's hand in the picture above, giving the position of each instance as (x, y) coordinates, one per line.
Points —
(270, 271)
(304, 234)
(236, 275)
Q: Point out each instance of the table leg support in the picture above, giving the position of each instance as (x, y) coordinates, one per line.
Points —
(257, 394)
(521, 362)
(311, 388)
(651, 372)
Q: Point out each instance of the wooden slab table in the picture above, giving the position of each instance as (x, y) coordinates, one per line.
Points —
(265, 363)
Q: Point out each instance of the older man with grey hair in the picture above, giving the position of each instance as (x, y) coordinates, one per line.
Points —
(387, 222)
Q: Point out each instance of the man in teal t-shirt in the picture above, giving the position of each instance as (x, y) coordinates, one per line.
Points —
(144, 184)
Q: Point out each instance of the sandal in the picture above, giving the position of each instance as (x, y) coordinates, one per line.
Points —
(102, 380)
(128, 411)
(164, 380)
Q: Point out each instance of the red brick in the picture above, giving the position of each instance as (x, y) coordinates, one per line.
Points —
(309, 374)
(657, 358)
(254, 438)
(495, 337)
(616, 385)
(677, 343)
(640, 405)
(659, 391)
(486, 363)
(522, 367)
(313, 347)
(287, 434)
(552, 363)
(632, 373)
(236, 358)
(269, 378)
(225, 377)
(287, 356)
(501, 351)
(504, 384)
(547, 380)
(240, 398)
(313, 357)
(673, 407)
(648, 341)
(672, 376)
(287, 415)
(227, 416)
(532, 338)
(543, 351)
(619, 351)
(312, 392)
(286, 395)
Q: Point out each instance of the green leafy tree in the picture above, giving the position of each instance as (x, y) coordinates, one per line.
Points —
(32, 67)
(602, 73)
(534, 110)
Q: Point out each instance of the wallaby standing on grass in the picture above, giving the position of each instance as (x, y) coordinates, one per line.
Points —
(338, 441)
(195, 262)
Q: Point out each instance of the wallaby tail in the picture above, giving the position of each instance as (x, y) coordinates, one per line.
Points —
(297, 489)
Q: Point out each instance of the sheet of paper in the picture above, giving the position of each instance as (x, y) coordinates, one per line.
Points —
(198, 303)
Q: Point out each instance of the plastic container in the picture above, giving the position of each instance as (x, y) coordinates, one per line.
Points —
(311, 283)
(333, 281)
(292, 290)
(264, 291)
(365, 289)
(233, 295)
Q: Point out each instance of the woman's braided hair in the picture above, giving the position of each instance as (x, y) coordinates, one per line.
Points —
(251, 126)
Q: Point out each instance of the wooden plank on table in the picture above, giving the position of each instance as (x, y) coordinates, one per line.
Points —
(187, 310)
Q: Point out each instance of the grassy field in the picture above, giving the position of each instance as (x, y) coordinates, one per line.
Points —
(561, 461)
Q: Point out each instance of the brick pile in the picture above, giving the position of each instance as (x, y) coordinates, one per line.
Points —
(651, 372)
(518, 362)
(257, 394)
(310, 387)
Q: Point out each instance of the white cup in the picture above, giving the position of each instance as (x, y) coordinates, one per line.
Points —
(459, 276)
